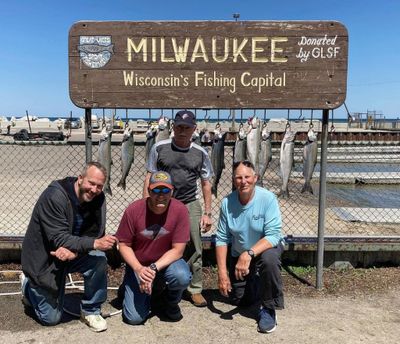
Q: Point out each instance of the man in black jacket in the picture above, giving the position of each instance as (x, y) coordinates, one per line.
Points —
(66, 234)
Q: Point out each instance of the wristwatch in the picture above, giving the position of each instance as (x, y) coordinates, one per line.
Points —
(251, 253)
(153, 267)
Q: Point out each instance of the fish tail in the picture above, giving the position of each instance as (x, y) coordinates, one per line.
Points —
(107, 189)
(284, 194)
(214, 191)
(307, 188)
(122, 184)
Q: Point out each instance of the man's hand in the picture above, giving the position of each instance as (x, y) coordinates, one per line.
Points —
(105, 243)
(146, 287)
(205, 223)
(146, 275)
(64, 254)
(242, 266)
(224, 284)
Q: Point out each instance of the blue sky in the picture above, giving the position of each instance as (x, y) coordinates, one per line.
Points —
(34, 40)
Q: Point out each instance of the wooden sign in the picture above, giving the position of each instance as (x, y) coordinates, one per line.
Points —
(208, 64)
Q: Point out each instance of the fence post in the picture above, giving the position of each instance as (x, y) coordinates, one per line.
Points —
(322, 198)
(88, 134)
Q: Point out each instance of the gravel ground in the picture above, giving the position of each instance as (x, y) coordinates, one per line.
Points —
(355, 306)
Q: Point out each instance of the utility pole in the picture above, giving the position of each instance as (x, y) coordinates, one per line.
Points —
(236, 16)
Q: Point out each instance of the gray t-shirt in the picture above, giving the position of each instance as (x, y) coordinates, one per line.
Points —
(185, 166)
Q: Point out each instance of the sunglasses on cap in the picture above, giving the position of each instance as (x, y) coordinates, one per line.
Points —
(163, 191)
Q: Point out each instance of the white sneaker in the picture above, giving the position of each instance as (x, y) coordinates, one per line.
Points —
(95, 322)
(23, 281)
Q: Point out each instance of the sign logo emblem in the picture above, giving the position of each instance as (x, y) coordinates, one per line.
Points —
(95, 51)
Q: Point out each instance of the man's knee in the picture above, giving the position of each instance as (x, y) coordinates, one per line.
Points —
(98, 262)
(183, 278)
(49, 318)
(270, 259)
(178, 276)
(132, 318)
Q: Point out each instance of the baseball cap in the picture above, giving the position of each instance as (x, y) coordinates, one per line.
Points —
(160, 178)
(185, 117)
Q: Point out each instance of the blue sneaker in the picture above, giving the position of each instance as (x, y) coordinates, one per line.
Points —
(267, 320)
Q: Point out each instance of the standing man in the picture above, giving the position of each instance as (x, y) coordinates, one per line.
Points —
(153, 234)
(187, 162)
(66, 234)
(250, 221)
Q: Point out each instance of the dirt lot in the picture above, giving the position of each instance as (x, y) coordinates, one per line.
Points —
(356, 306)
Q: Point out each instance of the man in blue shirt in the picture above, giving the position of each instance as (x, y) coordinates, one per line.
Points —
(250, 221)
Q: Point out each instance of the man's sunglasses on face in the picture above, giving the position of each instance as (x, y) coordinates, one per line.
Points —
(163, 190)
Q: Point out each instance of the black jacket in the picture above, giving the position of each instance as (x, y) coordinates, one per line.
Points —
(51, 227)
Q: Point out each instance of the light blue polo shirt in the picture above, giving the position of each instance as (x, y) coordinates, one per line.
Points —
(244, 225)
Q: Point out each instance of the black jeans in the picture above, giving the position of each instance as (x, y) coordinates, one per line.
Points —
(263, 283)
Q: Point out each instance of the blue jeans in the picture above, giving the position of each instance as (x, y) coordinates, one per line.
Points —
(136, 306)
(93, 267)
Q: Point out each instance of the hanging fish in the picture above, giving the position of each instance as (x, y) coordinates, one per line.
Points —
(253, 141)
(286, 161)
(239, 153)
(196, 137)
(217, 158)
(310, 153)
(163, 129)
(104, 155)
(265, 155)
(127, 155)
(150, 139)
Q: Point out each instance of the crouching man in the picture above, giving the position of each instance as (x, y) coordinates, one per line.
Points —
(250, 221)
(66, 234)
(153, 234)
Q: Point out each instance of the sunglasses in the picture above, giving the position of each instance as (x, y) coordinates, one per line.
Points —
(163, 191)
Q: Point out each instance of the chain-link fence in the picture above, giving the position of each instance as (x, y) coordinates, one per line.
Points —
(363, 184)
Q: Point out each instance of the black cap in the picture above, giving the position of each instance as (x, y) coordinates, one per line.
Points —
(185, 117)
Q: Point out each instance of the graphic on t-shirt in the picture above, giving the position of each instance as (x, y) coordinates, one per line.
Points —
(154, 232)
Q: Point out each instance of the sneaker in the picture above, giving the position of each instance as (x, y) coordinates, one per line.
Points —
(173, 313)
(267, 320)
(24, 280)
(95, 322)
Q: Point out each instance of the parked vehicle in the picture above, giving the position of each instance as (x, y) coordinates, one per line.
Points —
(73, 123)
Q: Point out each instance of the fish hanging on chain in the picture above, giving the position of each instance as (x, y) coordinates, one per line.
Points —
(127, 155)
(310, 154)
(286, 160)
